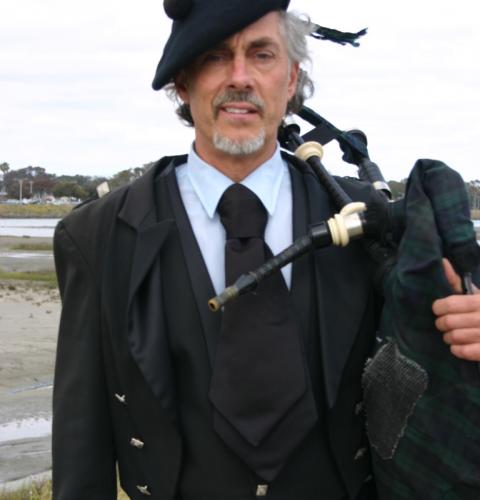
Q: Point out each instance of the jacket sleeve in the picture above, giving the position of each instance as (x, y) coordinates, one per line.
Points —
(82, 442)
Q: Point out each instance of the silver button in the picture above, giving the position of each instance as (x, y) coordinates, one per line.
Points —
(359, 408)
(361, 452)
(262, 490)
(121, 398)
(144, 490)
(368, 478)
(137, 443)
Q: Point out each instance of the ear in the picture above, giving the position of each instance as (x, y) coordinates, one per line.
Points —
(292, 83)
(181, 87)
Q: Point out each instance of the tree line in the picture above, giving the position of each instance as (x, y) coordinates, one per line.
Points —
(36, 182)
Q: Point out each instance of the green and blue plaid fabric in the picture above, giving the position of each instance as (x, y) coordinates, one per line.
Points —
(422, 403)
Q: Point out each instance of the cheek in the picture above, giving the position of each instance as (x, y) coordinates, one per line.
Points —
(283, 87)
(201, 109)
(279, 95)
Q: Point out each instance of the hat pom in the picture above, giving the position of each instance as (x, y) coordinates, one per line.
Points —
(177, 9)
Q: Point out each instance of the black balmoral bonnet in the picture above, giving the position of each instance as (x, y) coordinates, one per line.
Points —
(199, 25)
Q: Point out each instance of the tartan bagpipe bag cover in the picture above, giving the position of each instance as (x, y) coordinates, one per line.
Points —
(422, 404)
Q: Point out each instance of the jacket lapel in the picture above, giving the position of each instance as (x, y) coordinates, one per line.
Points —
(145, 316)
(149, 241)
(139, 211)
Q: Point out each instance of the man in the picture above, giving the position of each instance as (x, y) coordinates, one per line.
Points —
(142, 362)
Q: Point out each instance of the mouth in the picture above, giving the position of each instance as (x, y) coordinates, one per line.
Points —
(239, 110)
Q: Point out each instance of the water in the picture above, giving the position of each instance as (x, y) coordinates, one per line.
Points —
(28, 227)
(38, 386)
(25, 451)
(24, 429)
(46, 227)
(26, 255)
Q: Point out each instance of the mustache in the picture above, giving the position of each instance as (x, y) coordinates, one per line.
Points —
(230, 96)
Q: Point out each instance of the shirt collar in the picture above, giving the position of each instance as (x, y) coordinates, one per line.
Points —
(209, 183)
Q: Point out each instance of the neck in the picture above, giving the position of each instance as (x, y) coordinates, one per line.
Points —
(235, 167)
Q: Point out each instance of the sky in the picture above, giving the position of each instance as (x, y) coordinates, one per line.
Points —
(76, 96)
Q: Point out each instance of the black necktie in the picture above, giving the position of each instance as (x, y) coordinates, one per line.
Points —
(260, 388)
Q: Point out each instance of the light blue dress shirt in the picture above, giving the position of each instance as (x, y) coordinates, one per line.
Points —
(201, 187)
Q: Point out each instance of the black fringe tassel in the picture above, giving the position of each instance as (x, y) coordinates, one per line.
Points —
(332, 35)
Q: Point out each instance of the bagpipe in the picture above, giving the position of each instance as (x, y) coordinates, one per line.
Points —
(422, 404)
(383, 221)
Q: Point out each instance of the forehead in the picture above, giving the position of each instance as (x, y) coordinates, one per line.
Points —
(267, 29)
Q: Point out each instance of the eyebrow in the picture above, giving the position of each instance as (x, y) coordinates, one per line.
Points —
(255, 44)
(263, 42)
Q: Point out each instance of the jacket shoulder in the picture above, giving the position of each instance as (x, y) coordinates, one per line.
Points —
(90, 225)
(98, 213)
(91, 217)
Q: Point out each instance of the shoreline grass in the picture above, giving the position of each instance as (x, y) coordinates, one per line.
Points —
(34, 211)
(36, 490)
(47, 278)
(33, 247)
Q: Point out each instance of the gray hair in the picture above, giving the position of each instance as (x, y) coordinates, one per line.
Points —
(295, 28)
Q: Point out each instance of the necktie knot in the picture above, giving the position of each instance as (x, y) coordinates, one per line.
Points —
(242, 213)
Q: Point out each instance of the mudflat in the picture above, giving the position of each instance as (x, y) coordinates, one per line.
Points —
(29, 316)
(25, 260)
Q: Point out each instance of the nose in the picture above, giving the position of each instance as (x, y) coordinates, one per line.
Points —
(240, 77)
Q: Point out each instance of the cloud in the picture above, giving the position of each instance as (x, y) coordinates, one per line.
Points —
(75, 78)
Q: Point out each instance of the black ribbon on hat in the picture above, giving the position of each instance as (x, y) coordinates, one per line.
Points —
(336, 36)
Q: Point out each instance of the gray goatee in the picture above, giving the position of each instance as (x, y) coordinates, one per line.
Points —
(238, 147)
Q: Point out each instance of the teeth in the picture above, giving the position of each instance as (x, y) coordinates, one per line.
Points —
(237, 111)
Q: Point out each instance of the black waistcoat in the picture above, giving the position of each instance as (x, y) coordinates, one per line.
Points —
(211, 471)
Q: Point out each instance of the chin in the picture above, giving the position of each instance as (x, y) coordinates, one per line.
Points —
(239, 147)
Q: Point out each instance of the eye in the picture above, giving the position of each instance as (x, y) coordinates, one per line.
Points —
(264, 55)
(214, 57)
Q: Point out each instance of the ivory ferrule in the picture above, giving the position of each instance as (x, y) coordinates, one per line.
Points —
(309, 149)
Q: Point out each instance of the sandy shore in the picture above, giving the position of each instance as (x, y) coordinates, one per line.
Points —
(29, 315)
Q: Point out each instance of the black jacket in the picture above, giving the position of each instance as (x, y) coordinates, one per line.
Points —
(114, 393)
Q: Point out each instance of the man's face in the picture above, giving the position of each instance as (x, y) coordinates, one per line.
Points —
(238, 91)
